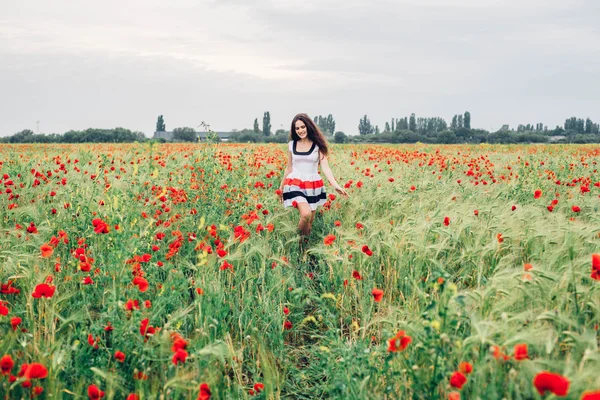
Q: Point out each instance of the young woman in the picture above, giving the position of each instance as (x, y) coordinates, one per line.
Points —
(302, 185)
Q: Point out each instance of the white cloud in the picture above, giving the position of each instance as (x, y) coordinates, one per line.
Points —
(505, 60)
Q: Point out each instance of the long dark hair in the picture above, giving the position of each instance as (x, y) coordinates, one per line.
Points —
(313, 132)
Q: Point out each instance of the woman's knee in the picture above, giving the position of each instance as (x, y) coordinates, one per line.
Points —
(306, 217)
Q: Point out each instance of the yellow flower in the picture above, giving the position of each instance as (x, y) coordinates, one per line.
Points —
(436, 325)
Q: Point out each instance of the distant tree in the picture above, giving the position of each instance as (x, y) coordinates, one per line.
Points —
(393, 127)
(454, 124)
(185, 134)
(365, 127)
(412, 125)
(467, 120)
(460, 120)
(326, 124)
(504, 128)
(160, 124)
(387, 127)
(377, 130)
(267, 124)
(340, 137)
(256, 127)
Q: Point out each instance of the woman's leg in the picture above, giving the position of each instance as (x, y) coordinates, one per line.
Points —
(305, 224)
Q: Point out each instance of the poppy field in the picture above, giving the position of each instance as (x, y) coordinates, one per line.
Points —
(172, 271)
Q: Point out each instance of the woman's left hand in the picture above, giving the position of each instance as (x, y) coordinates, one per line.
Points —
(341, 191)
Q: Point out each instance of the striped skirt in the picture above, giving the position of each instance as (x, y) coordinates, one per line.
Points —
(304, 188)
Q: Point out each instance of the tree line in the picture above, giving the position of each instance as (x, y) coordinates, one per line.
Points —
(407, 129)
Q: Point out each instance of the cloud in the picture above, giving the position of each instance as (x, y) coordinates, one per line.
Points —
(75, 65)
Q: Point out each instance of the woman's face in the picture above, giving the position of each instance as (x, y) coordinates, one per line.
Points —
(301, 129)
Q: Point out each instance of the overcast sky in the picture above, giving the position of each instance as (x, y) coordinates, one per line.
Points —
(74, 64)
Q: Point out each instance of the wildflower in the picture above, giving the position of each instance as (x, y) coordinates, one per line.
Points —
(537, 194)
(43, 290)
(329, 239)
(549, 381)
(399, 342)
(119, 356)
(575, 209)
(46, 250)
(591, 395)
(180, 356)
(141, 283)
(356, 275)
(595, 267)
(465, 367)
(6, 364)
(367, 251)
(446, 221)
(521, 351)
(457, 380)
(204, 392)
(15, 322)
(35, 371)
(94, 392)
(454, 396)
(377, 295)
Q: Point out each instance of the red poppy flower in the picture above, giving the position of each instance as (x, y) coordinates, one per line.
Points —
(258, 387)
(87, 280)
(550, 382)
(15, 322)
(3, 309)
(119, 356)
(287, 325)
(204, 392)
(399, 342)
(329, 239)
(465, 367)
(457, 380)
(141, 283)
(94, 393)
(180, 356)
(35, 371)
(521, 351)
(6, 364)
(576, 209)
(356, 275)
(377, 294)
(446, 221)
(367, 251)
(527, 267)
(476, 212)
(537, 194)
(286, 310)
(133, 396)
(591, 395)
(43, 290)
(225, 266)
(454, 396)
(595, 267)
(46, 250)
(513, 208)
